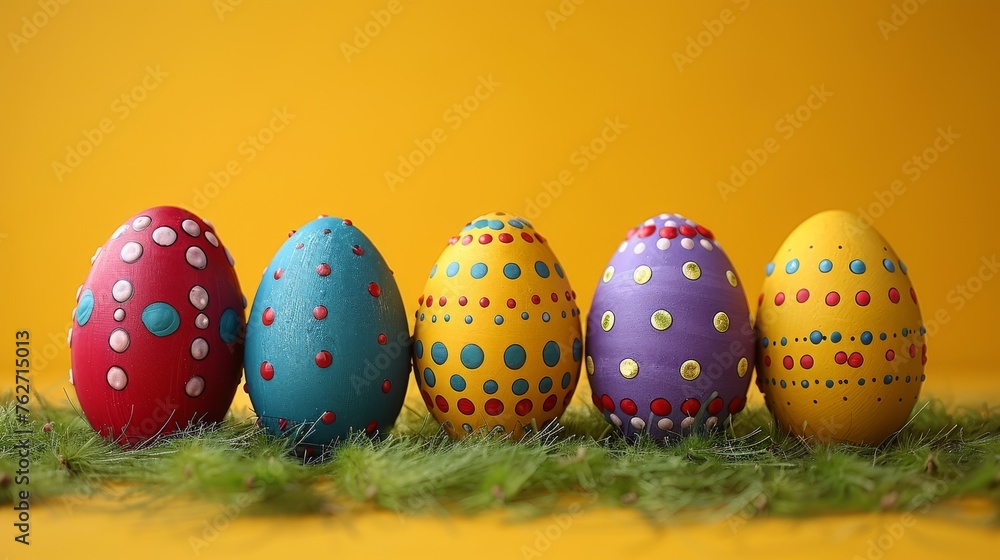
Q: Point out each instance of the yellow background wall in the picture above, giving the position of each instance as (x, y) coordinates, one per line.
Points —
(179, 87)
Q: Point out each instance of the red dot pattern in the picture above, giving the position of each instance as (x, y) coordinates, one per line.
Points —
(267, 317)
(267, 371)
(855, 360)
(494, 407)
(629, 407)
(550, 403)
(863, 298)
(715, 405)
(691, 407)
(608, 402)
(523, 407)
(324, 358)
(660, 407)
(441, 403)
(466, 407)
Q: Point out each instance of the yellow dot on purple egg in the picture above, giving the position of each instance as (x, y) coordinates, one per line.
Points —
(661, 319)
(642, 274)
(691, 270)
(731, 276)
(629, 368)
(721, 321)
(690, 370)
(742, 367)
(590, 365)
(607, 320)
(608, 273)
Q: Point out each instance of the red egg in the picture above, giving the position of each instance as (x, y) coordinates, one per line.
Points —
(157, 337)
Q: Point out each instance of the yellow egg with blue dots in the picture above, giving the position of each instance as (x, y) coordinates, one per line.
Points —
(841, 346)
(497, 342)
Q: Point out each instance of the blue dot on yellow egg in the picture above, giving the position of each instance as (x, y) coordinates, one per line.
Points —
(514, 356)
(551, 353)
(472, 356)
(439, 353)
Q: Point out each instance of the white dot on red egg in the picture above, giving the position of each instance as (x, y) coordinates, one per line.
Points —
(69, 337)
(119, 232)
(70, 376)
(198, 296)
(164, 236)
(196, 257)
(119, 340)
(199, 348)
(97, 253)
(201, 321)
(117, 378)
(191, 228)
(194, 386)
(229, 257)
(141, 223)
(212, 238)
(119, 314)
(131, 252)
(122, 291)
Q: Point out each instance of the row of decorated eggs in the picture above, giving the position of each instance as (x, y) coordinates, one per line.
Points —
(160, 332)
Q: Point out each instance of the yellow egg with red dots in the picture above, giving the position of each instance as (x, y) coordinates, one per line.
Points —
(497, 343)
(841, 345)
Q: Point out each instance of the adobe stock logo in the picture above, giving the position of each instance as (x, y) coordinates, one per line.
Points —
(696, 44)
(455, 116)
(33, 24)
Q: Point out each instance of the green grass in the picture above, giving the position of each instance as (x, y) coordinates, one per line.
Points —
(750, 469)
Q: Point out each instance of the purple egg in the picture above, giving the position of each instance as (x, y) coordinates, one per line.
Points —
(670, 345)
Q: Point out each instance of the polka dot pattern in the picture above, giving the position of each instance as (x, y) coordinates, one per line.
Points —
(328, 330)
(672, 314)
(823, 359)
(154, 296)
(510, 323)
